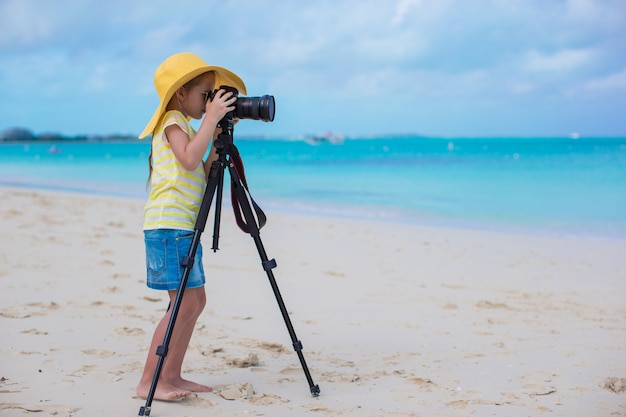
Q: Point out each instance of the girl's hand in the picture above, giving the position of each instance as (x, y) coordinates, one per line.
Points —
(222, 103)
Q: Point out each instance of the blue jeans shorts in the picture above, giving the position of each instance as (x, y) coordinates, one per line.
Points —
(165, 250)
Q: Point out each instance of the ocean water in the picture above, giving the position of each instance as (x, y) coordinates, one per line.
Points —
(540, 185)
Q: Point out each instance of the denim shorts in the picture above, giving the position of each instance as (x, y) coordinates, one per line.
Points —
(165, 250)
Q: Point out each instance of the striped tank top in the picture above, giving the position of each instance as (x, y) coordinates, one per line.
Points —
(175, 193)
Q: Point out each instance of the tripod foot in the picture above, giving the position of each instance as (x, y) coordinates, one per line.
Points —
(315, 390)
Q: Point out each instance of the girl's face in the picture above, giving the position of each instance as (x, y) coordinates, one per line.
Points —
(194, 97)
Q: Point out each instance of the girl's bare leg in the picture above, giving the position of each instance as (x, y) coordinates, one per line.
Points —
(164, 391)
(171, 385)
(196, 298)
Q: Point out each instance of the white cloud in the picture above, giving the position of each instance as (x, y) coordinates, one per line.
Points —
(161, 38)
(402, 8)
(560, 61)
(521, 87)
(389, 84)
(391, 49)
(611, 83)
(20, 26)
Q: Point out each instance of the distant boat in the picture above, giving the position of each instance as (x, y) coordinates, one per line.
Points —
(328, 137)
(574, 135)
(54, 150)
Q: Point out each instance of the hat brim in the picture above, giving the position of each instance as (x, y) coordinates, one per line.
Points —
(223, 77)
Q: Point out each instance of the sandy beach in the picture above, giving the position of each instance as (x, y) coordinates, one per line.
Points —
(395, 319)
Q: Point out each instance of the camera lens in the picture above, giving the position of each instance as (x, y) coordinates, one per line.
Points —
(255, 108)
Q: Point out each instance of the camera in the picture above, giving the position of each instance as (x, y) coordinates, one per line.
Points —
(252, 108)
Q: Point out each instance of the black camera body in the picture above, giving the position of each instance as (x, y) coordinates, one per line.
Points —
(252, 108)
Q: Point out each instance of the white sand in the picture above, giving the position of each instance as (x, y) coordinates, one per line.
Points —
(396, 320)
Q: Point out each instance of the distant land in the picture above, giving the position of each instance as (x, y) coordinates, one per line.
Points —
(19, 134)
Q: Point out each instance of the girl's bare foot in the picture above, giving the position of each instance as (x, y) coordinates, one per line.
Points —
(164, 392)
(186, 385)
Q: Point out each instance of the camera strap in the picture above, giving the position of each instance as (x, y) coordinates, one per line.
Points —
(235, 158)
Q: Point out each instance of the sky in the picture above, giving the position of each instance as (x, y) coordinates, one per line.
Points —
(444, 68)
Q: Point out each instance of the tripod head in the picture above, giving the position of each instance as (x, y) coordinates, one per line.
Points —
(225, 139)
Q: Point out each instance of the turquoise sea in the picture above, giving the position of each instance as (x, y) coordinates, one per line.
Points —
(559, 186)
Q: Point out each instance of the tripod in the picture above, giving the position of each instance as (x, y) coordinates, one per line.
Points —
(228, 157)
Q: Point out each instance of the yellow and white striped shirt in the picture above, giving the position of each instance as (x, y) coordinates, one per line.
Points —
(175, 192)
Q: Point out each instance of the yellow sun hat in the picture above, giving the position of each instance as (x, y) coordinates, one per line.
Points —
(175, 72)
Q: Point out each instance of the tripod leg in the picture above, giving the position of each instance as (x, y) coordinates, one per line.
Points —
(268, 265)
(218, 209)
(187, 263)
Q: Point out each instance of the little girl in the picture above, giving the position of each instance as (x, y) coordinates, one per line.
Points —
(177, 180)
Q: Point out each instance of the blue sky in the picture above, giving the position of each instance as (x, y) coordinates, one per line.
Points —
(431, 67)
